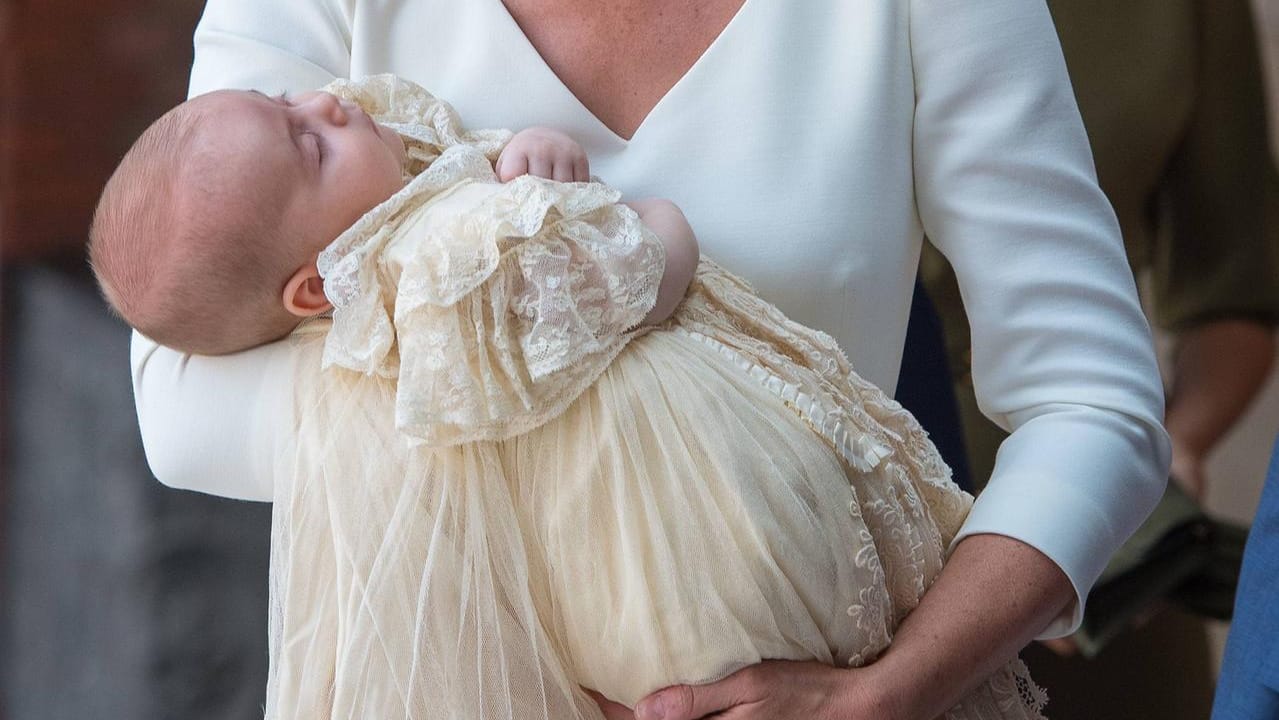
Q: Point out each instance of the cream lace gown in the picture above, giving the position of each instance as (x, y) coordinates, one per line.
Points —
(502, 492)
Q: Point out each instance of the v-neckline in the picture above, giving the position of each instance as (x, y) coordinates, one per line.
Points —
(684, 79)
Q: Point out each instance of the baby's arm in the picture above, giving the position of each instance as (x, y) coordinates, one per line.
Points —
(665, 219)
(555, 156)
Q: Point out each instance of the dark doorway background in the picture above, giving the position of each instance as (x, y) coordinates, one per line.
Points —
(119, 598)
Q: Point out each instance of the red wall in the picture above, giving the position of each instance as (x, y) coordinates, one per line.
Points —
(80, 80)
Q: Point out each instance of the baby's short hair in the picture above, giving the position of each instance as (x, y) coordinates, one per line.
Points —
(184, 251)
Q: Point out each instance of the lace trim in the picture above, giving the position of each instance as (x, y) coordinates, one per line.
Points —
(1031, 694)
(342, 263)
(723, 306)
(1009, 694)
(427, 124)
(856, 447)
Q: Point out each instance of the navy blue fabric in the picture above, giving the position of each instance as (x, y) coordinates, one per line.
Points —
(924, 386)
(1248, 688)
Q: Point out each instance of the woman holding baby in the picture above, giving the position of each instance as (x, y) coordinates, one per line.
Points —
(811, 145)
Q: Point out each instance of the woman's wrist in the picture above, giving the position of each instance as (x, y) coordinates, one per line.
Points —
(962, 631)
(869, 692)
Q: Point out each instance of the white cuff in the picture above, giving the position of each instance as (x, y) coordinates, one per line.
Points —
(1073, 482)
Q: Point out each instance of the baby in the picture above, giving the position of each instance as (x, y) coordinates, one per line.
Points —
(609, 466)
(207, 234)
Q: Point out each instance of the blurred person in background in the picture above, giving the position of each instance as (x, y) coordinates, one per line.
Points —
(1248, 688)
(1172, 97)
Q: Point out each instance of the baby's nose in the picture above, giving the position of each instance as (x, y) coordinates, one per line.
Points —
(326, 105)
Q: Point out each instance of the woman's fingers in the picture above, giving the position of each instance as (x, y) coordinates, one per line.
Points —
(771, 690)
(611, 710)
(689, 702)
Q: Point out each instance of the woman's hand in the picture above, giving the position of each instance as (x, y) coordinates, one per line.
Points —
(994, 595)
(771, 690)
(544, 153)
(611, 710)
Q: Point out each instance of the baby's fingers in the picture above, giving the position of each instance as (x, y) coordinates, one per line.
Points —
(563, 170)
(511, 166)
(581, 169)
(541, 166)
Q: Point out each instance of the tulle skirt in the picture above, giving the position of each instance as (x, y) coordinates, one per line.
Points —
(696, 510)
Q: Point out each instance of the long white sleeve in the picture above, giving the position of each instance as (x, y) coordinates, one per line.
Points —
(211, 423)
(271, 46)
(1061, 351)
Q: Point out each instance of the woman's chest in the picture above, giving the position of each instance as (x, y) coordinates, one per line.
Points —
(628, 79)
(620, 57)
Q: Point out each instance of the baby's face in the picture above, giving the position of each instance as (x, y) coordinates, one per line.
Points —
(326, 158)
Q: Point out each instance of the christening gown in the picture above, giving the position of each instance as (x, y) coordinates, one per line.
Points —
(503, 491)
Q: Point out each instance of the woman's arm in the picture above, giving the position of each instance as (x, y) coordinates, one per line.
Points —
(271, 45)
(207, 422)
(1062, 356)
(213, 424)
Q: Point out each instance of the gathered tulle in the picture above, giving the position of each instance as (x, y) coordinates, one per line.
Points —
(501, 493)
(681, 519)
(401, 585)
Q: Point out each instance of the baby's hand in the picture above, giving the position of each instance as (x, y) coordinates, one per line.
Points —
(544, 153)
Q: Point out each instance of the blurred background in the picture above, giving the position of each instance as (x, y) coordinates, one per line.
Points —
(1236, 467)
(120, 598)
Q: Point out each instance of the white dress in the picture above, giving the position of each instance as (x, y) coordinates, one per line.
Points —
(811, 147)
(505, 492)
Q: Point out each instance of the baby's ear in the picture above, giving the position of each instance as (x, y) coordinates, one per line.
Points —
(304, 292)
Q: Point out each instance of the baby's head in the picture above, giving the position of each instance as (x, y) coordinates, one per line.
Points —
(206, 236)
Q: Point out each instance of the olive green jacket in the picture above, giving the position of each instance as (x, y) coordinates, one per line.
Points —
(1171, 95)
